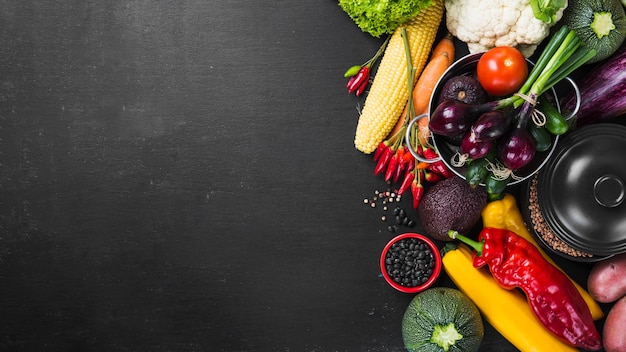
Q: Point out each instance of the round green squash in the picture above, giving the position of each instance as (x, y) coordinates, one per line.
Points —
(442, 319)
(600, 24)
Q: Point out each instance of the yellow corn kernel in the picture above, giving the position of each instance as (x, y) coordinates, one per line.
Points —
(506, 310)
(389, 91)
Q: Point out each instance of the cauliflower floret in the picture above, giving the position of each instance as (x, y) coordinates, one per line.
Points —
(484, 24)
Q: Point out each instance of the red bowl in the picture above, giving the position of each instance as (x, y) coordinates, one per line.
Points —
(420, 283)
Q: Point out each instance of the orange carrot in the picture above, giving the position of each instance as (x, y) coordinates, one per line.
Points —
(445, 45)
(426, 84)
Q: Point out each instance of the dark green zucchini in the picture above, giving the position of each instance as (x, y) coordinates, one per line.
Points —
(495, 187)
(476, 171)
(600, 24)
(555, 122)
(543, 139)
(442, 319)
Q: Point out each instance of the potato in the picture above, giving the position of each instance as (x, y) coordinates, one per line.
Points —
(613, 334)
(607, 279)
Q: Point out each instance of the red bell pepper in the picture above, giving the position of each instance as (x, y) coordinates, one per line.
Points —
(555, 301)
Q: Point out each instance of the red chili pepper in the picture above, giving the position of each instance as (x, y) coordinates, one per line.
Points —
(555, 301)
(381, 165)
(361, 88)
(410, 165)
(398, 171)
(418, 191)
(350, 81)
(430, 153)
(401, 164)
(362, 76)
(401, 151)
(409, 176)
(391, 168)
(380, 150)
(408, 156)
(420, 150)
(431, 176)
(440, 168)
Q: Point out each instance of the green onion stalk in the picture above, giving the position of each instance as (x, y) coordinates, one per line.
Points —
(563, 54)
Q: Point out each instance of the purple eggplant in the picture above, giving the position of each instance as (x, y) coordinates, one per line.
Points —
(602, 91)
(452, 118)
(473, 147)
(491, 125)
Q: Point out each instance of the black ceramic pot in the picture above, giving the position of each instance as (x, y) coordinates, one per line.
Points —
(581, 191)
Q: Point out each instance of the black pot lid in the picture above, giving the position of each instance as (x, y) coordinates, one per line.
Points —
(582, 189)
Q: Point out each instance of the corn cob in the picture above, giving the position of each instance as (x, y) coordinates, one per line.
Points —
(389, 91)
(506, 310)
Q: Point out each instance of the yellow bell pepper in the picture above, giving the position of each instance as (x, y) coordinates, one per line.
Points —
(506, 310)
(505, 214)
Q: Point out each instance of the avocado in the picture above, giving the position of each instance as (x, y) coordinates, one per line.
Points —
(464, 88)
(451, 204)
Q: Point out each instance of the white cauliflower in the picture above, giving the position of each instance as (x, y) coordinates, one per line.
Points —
(484, 24)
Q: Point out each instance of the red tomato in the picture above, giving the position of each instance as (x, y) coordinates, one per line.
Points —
(502, 70)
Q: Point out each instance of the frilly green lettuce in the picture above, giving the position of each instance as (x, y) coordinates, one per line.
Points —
(380, 17)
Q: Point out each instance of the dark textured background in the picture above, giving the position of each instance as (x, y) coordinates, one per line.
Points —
(180, 176)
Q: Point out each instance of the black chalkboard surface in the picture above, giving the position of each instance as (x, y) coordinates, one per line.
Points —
(181, 176)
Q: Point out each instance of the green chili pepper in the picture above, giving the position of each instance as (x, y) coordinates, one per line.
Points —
(352, 71)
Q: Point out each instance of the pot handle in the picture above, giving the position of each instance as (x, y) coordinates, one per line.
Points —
(407, 139)
(578, 99)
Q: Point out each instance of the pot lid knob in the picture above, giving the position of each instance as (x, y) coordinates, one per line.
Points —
(609, 191)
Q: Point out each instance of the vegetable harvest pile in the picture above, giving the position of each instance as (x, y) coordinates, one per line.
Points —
(499, 116)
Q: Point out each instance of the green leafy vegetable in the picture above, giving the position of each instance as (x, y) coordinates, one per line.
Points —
(546, 10)
(380, 17)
